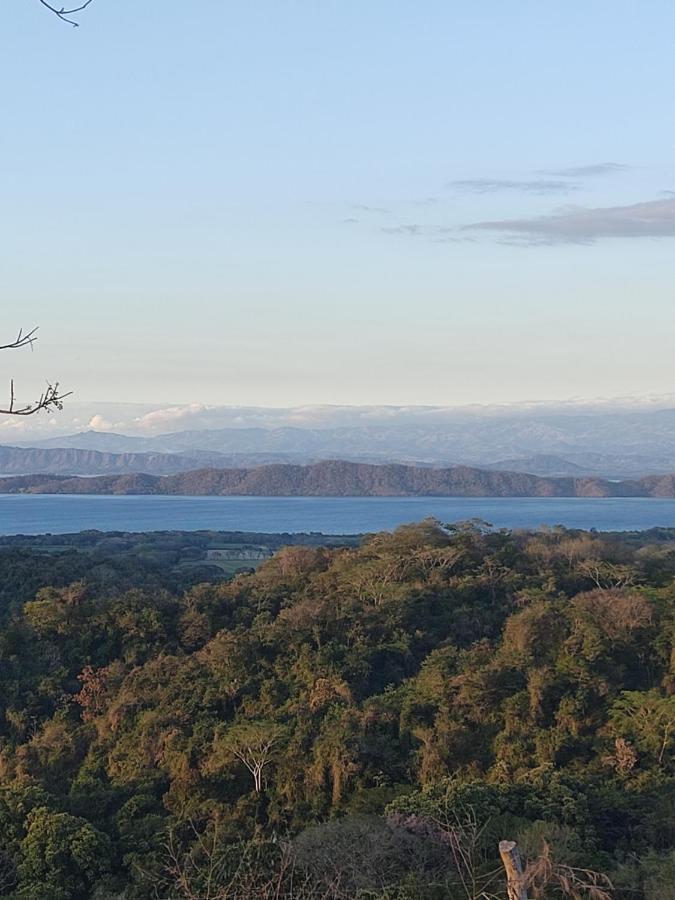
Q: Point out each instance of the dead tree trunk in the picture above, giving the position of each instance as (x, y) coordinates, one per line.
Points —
(515, 879)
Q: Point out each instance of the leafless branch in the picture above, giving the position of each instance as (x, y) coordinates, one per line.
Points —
(50, 399)
(204, 870)
(567, 881)
(22, 339)
(63, 13)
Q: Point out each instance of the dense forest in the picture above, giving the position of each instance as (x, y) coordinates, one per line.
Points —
(337, 478)
(363, 721)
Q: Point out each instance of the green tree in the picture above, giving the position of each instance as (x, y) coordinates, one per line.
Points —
(648, 719)
(62, 857)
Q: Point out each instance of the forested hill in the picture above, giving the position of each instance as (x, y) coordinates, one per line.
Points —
(344, 479)
(349, 723)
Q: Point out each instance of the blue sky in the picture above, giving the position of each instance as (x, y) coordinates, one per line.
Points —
(281, 203)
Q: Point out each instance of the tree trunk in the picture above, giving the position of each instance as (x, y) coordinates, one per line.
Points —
(515, 880)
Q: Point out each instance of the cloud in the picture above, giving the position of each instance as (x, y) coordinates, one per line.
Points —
(587, 171)
(494, 185)
(434, 233)
(100, 423)
(443, 236)
(172, 416)
(403, 229)
(585, 225)
(362, 207)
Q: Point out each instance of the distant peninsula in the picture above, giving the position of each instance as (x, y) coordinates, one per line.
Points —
(343, 479)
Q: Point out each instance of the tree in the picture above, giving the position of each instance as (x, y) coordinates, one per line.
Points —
(62, 856)
(50, 399)
(64, 13)
(252, 743)
(649, 719)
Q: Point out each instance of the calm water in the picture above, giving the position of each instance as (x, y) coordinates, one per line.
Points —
(37, 514)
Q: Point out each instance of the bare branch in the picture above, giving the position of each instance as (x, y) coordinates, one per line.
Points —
(21, 340)
(574, 883)
(50, 399)
(63, 13)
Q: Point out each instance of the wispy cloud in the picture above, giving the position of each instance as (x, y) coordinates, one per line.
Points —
(585, 225)
(495, 185)
(363, 207)
(435, 233)
(606, 168)
(403, 229)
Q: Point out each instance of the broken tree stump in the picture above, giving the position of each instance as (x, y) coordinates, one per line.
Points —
(515, 878)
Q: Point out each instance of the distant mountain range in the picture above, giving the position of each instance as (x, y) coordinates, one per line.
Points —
(614, 444)
(74, 461)
(343, 479)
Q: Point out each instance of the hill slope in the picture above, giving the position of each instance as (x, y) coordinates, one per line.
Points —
(75, 461)
(344, 479)
(69, 460)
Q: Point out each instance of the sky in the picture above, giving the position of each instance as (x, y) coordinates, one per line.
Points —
(342, 202)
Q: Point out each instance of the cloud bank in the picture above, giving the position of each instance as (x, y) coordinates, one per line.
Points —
(585, 225)
(124, 418)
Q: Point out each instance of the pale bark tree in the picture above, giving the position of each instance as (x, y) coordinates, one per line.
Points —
(253, 744)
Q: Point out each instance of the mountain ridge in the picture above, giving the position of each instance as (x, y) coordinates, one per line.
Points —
(79, 462)
(336, 478)
(625, 444)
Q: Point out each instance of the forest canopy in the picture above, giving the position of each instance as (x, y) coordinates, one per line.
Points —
(354, 721)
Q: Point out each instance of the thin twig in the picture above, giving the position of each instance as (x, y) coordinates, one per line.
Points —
(63, 13)
(50, 399)
(21, 340)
